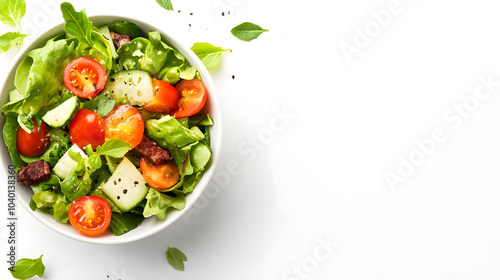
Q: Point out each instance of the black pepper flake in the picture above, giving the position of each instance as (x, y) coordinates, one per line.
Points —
(114, 182)
(222, 13)
(232, 77)
(136, 182)
(228, 12)
(190, 25)
(179, 11)
(79, 176)
(112, 79)
(125, 191)
(119, 179)
(190, 14)
(118, 197)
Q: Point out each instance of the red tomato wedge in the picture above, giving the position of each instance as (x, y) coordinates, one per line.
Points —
(90, 215)
(192, 97)
(87, 128)
(85, 77)
(166, 98)
(161, 176)
(124, 123)
(35, 143)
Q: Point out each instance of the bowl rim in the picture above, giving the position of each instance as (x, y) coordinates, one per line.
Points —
(215, 143)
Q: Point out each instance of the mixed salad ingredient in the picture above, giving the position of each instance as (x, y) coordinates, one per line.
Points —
(107, 126)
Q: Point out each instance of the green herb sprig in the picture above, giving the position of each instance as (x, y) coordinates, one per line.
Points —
(11, 12)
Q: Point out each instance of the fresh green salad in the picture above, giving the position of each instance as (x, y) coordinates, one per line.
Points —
(107, 125)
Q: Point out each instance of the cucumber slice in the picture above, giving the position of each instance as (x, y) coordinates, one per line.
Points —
(66, 164)
(107, 35)
(133, 85)
(126, 187)
(60, 115)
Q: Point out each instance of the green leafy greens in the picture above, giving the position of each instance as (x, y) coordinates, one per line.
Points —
(166, 4)
(247, 31)
(176, 258)
(11, 12)
(11, 39)
(27, 268)
(209, 54)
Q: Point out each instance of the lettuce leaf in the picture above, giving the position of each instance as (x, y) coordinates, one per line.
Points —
(52, 202)
(158, 203)
(10, 138)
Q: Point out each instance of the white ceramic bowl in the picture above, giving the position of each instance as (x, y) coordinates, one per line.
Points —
(151, 225)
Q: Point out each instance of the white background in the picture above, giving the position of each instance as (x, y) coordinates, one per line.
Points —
(318, 174)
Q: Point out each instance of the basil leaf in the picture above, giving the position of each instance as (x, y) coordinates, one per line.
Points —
(126, 28)
(208, 54)
(11, 39)
(77, 24)
(114, 148)
(102, 104)
(11, 11)
(166, 4)
(247, 31)
(27, 268)
(123, 223)
(176, 258)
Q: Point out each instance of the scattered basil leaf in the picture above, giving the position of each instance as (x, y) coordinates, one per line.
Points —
(176, 258)
(11, 39)
(209, 54)
(102, 104)
(123, 223)
(11, 12)
(27, 268)
(166, 4)
(247, 31)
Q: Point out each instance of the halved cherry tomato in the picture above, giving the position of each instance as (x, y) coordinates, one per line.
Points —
(90, 215)
(34, 144)
(124, 123)
(87, 128)
(166, 98)
(85, 77)
(161, 176)
(192, 97)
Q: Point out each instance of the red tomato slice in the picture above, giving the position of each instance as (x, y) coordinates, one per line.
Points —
(90, 215)
(124, 123)
(34, 144)
(192, 97)
(85, 77)
(166, 98)
(161, 176)
(87, 128)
